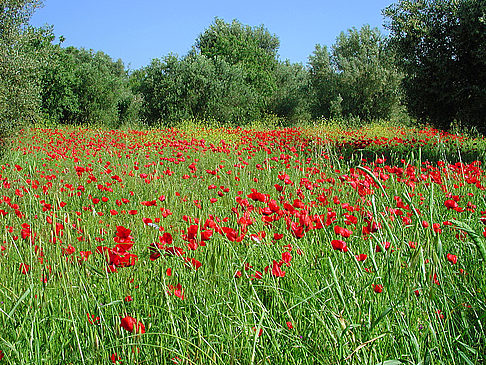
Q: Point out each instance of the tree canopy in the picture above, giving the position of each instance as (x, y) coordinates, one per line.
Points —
(357, 78)
(21, 56)
(433, 61)
(441, 48)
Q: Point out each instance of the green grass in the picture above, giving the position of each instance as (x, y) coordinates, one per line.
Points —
(326, 295)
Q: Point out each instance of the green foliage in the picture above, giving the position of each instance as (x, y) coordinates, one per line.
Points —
(322, 81)
(357, 79)
(441, 47)
(254, 48)
(59, 100)
(366, 77)
(289, 100)
(21, 54)
(81, 86)
(230, 76)
(276, 85)
(194, 87)
(40, 80)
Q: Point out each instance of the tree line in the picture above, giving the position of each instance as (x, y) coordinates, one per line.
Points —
(431, 67)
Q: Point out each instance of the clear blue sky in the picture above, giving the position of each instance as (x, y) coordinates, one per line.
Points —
(138, 31)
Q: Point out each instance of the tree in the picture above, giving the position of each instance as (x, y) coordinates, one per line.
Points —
(21, 54)
(253, 49)
(441, 48)
(357, 79)
(322, 83)
(59, 101)
(231, 75)
(367, 79)
(194, 87)
(81, 86)
(289, 100)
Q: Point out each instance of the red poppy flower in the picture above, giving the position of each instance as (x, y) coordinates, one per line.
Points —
(276, 270)
(24, 268)
(377, 288)
(115, 359)
(206, 235)
(130, 324)
(452, 258)
(123, 235)
(151, 203)
(259, 332)
(195, 263)
(451, 204)
(339, 245)
(92, 319)
(286, 257)
(177, 291)
(342, 231)
(386, 245)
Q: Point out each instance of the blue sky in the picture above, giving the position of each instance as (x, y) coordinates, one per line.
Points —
(139, 31)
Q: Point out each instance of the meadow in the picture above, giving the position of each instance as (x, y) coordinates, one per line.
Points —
(194, 245)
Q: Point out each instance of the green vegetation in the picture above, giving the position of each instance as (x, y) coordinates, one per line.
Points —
(243, 246)
(81, 87)
(221, 235)
(358, 79)
(431, 68)
(21, 59)
(441, 48)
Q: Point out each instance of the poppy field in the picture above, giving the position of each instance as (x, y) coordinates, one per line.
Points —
(243, 246)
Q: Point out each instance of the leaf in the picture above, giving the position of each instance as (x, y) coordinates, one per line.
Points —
(21, 299)
(380, 317)
(465, 358)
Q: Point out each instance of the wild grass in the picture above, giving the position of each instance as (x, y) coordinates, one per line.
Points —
(387, 184)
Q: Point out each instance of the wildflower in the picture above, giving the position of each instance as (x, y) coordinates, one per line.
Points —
(339, 245)
(259, 332)
(92, 319)
(451, 204)
(130, 324)
(123, 235)
(386, 245)
(452, 258)
(276, 270)
(115, 359)
(177, 290)
(24, 268)
(342, 231)
(377, 288)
